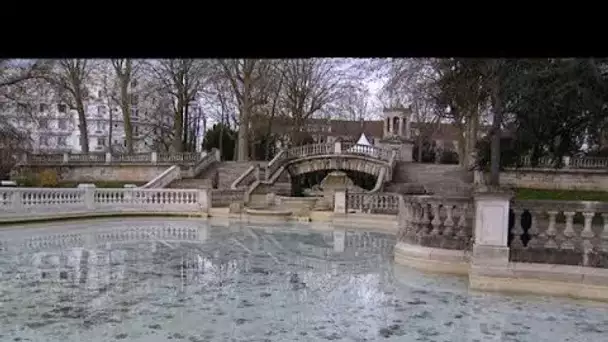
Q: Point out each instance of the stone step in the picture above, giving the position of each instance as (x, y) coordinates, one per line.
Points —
(226, 172)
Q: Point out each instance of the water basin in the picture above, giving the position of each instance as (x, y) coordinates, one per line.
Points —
(188, 280)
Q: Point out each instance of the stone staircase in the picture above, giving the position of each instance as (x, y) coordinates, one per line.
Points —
(437, 179)
(227, 172)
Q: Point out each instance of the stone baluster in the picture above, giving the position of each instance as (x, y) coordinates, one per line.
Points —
(518, 231)
(569, 232)
(587, 233)
(462, 222)
(436, 222)
(448, 223)
(551, 231)
(424, 221)
(604, 235)
(537, 235)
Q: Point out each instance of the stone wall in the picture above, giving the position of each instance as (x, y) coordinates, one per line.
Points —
(122, 173)
(562, 179)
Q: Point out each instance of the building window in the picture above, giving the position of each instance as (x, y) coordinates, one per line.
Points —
(44, 107)
(134, 99)
(134, 113)
(100, 93)
(99, 125)
(43, 123)
(133, 83)
(115, 125)
(62, 141)
(101, 109)
(61, 108)
(101, 141)
(63, 124)
(136, 130)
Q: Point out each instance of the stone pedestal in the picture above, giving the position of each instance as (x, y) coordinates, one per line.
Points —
(491, 226)
(89, 195)
(335, 180)
(340, 202)
(204, 200)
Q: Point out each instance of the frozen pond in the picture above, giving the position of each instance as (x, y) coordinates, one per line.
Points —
(184, 280)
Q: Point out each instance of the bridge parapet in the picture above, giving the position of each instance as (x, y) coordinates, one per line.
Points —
(95, 158)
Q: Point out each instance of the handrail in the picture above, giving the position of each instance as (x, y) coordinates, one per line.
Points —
(169, 175)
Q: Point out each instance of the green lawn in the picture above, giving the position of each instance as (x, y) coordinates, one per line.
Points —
(561, 195)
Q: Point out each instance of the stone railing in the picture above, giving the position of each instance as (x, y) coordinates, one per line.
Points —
(204, 161)
(310, 150)
(436, 222)
(171, 174)
(16, 202)
(377, 203)
(108, 158)
(370, 151)
(224, 197)
(568, 162)
(559, 232)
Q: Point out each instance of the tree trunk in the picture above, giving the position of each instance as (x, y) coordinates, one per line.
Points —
(419, 148)
(178, 127)
(125, 106)
(243, 137)
(82, 123)
(495, 147)
(110, 130)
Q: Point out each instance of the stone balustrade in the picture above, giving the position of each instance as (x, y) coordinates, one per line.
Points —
(17, 202)
(373, 203)
(171, 174)
(95, 158)
(559, 232)
(568, 162)
(437, 222)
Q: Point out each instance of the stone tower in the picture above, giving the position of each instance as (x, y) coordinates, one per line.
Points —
(397, 132)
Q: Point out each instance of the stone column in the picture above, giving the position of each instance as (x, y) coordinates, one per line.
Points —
(17, 201)
(491, 228)
(388, 127)
(385, 128)
(340, 202)
(108, 157)
(408, 129)
(566, 161)
(400, 133)
(89, 195)
(218, 155)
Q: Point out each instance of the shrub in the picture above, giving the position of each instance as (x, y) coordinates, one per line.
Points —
(48, 179)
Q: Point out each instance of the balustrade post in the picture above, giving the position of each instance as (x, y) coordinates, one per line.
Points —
(89, 195)
(338, 147)
(340, 202)
(66, 158)
(257, 172)
(566, 161)
(491, 228)
(204, 200)
(108, 158)
(17, 201)
(154, 157)
(218, 155)
(24, 158)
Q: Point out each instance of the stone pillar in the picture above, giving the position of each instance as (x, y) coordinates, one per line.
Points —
(566, 161)
(66, 158)
(389, 122)
(340, 202)
(257, 172)
(89, 195)
(108, 157)
(218, 155)
(154, 157)
(203, 154)
(24, 158)
(385, 128)
(337, 147)
(204, 200)
(400, 133)
(17, 201)
(408, 129)
(491, 228)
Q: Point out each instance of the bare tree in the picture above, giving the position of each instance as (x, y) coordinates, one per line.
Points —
(248, 79)
(316, 86)
(181, 79)
(69, 78)
(125, 71)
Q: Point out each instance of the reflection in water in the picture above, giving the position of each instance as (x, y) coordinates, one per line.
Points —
(161, 280)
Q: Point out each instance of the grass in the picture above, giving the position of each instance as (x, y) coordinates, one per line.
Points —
(560, 195)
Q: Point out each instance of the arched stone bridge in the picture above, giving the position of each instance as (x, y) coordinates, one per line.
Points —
(372, 160)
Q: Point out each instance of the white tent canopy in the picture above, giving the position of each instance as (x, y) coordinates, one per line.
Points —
(360, 146)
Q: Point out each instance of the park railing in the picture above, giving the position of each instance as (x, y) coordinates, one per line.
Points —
(373, 203)
(19, 202)
(94, 158)
(566, 162)
(559, 232)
